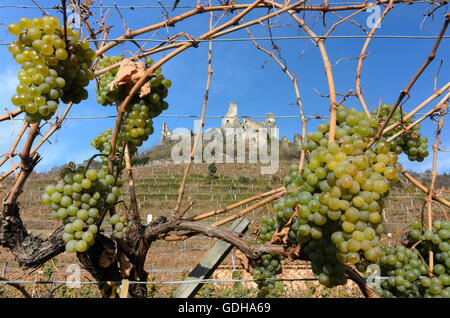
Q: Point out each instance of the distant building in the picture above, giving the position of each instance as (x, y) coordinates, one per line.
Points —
(231, 120)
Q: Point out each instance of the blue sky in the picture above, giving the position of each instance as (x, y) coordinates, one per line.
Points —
(239, 75)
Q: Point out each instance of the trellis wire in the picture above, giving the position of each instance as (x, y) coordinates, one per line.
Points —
(196, 281)
(133, 7)
(299, 37)
(315, 116)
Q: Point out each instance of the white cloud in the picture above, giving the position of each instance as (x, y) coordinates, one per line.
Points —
(9, 83)
(7, 90)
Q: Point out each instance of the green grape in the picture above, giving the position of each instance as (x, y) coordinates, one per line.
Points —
(167, 83)
(119, 226)
(88, 237)
(71, 246)
(81, 246)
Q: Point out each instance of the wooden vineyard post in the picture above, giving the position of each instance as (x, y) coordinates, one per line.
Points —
(210, 262)
(124, 288)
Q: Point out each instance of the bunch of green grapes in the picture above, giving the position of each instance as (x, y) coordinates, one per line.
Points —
(269, 265)
(103, 144)
(412, 144)
(78, 200)
(406, 274)
(105, 96)
(109, 95)
(337, 199)
(401, 273)
(324, 263)
(120, 226)
(319, 248)
(137, 124)
(53, 69)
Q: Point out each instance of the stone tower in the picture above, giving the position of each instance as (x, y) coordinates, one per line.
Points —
(165, 134)
(270, 123)
(231, 120)
(298, 140)
(285, 143)
(270, 120)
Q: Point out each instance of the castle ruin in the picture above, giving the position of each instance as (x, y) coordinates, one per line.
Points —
(232, 120)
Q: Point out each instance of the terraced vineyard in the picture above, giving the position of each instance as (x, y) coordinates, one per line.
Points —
(157, 188)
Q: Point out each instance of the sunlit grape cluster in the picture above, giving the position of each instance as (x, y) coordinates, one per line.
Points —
(54, 68)
(405, 274)
(411, 143)
(335, 203)
(78, 199)
(269, 265)
(106, 96)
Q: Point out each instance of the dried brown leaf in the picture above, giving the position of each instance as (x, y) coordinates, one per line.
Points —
(295, 252)
(255, 230)
(280, 237)
(128, 74)
(243, 259)
(283, 235)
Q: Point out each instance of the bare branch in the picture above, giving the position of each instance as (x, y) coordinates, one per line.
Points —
(197, 137)
(431, 189)
(134, 206)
